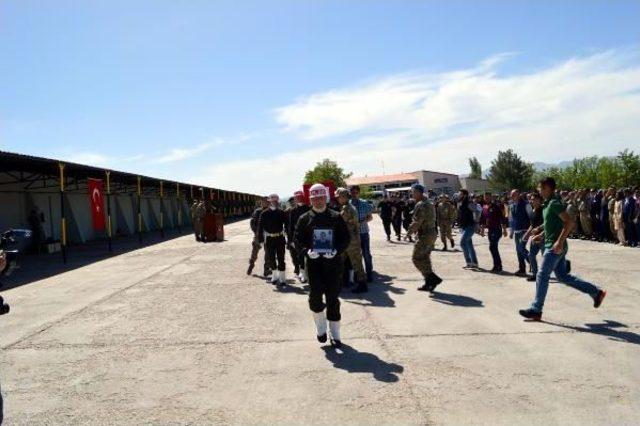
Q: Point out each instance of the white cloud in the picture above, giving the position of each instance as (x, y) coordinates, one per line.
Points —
(179, 154)
(582, 106)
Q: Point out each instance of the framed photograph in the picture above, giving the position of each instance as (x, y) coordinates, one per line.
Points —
(323, 240)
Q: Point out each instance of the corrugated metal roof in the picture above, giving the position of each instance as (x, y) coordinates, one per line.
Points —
(11, 161)
(369, 180)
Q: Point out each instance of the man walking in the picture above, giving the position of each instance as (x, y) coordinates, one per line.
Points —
(554, 231)
(495, 224)
(324, 263)
(424, 225)
(297, 254)
(255, 243)
(364, 210)
(353, 253)
(271, 232)
(396, 221)
(386, 213)
(520, 222)
(445, 215)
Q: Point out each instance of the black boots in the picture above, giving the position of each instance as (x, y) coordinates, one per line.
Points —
(361, 287)
(431, 281)
(250, 268)
(530, 314)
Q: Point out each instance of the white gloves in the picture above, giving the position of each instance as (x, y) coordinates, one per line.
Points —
(315, 255)
(330, 255)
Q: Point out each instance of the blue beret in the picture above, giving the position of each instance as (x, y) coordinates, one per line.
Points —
(418, 187)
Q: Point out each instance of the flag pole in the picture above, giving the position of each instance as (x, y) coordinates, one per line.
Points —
(139, 209)
(161, 210)
(109, 231)
(179, 208)
(63, 220)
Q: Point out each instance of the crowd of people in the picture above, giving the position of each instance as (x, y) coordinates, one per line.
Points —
(329, 243)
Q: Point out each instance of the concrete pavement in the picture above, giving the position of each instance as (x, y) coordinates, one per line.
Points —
(176, 333)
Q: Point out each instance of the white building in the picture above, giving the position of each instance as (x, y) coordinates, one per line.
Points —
(439, 182)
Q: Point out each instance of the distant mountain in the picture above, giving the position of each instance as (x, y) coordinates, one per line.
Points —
(539, 166)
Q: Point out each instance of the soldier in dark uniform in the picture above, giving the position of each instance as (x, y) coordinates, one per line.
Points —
(297, 254)
(386, 212)
(271, 232)
(255, 244)
(324, 261)
(397, 217)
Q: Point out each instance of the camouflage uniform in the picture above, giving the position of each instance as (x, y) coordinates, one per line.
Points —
(255, 243)
(611, 204)
(572, 211)
(585, 218)
(353, 252)
(445, 213)
(424, 224)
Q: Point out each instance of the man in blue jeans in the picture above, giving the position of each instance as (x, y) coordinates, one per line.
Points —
(518, 211)
(554, 231)
(365, 215)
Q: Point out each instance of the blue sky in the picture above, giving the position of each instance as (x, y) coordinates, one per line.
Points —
(247, 95)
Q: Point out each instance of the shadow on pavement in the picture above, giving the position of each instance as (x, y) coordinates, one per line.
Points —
(607, 328)
(456, 300)
(350, 359)
(40, 266)
(378, 294)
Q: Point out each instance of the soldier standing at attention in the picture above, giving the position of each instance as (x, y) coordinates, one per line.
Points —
(572, 211)
(271, 232)
(386, 208)
(255, 244)
(192, 214)
(298, 210)
(353, 253)
(324, 264)
(445, 214)
(585, 219)
(200, 213)
(424, 225)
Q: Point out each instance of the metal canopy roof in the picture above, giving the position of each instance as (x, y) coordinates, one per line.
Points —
(13, 162)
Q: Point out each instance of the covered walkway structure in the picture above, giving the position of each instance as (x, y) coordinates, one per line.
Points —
(134, 204)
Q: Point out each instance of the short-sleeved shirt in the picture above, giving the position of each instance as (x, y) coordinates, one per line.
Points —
(364, 209)
(553, 224)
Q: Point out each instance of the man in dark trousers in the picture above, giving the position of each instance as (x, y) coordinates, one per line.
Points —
(271, 232)
(386, 212)
(324, 261)
(494, 223)
(255, 244)
(297, 254)
(397, 217)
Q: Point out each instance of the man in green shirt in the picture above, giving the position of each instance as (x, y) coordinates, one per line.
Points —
(556, 226)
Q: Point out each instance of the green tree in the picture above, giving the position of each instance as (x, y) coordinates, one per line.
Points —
(629, 168)
(366, 193)
(476, 168)
(327, 170)
(509, 171)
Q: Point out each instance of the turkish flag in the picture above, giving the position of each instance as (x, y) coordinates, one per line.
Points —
(97, 204)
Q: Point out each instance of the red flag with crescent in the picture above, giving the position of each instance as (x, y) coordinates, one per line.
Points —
(97, 204)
